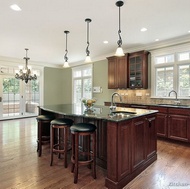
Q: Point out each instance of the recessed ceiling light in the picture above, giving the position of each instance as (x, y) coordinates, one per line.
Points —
(189, 31)
(15, 7)
(105, 42)
(156, 39)
(143, 29)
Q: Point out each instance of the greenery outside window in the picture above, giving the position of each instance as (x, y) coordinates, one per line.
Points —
(82, 83)
(171, 71)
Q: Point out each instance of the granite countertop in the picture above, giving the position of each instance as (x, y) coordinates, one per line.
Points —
(98, 112)
(159, 105)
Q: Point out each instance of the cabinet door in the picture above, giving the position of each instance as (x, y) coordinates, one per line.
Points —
(117, 72)
(122, 72)
(138, 70)
(138, 142)
(151, 142)
(161, 125)
(112, 74)
(179, 127)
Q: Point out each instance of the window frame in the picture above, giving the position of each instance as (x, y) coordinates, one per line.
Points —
(81, 68)
(163, 52)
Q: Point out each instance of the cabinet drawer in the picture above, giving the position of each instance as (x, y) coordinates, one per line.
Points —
(179, 111)
(160, 109)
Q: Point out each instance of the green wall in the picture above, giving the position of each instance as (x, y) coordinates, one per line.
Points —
(58, 84)
(100, 79)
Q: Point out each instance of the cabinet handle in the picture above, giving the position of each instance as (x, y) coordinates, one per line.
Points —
(150, 124)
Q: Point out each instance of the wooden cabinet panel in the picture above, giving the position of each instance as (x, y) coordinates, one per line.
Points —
(161, 125)
(102, 143)
(178, 127)
(117, 72)
(124, 150)
(138, 143)
(151, 146)
(161, 121)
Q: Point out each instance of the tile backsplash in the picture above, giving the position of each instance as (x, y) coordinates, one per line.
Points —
(143, 97)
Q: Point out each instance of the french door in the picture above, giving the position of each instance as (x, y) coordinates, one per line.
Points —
(18, 99)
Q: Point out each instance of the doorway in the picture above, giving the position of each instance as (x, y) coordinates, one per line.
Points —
(18, 99)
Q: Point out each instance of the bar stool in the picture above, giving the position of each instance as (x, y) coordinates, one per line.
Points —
(59, 144)
(86, 156)
(43, 131)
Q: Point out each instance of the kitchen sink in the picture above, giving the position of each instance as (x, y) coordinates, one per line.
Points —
(122, 114)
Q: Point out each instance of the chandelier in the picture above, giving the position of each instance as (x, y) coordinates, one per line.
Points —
(25, 74)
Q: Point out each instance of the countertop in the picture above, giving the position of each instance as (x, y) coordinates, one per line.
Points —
(98, 112)
(159, 105)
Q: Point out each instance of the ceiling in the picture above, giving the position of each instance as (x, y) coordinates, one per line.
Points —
(41, 24)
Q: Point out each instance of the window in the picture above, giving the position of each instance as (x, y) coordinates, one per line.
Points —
(171, 72)
(82, 83)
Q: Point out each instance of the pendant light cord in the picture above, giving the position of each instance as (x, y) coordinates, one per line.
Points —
(88, 43)
(119, 42)
(66, 51)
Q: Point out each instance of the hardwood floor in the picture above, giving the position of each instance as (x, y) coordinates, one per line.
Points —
(21, 168)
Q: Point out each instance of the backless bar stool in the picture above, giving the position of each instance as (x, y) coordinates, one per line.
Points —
(87, 156)
(43, 131)
(58, 140)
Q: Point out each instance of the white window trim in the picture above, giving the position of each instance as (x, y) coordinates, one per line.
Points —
(161, 52)
(81, 68)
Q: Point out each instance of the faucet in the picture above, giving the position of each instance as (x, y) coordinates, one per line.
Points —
(112, 100)
(176, 100)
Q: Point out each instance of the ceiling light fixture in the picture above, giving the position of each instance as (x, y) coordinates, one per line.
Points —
(119, 51)
(15, 7)
(143, 29)
(66, 64)
(88, 59)
(25, 74)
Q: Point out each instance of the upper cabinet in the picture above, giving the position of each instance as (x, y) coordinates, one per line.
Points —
(138, 70)
(117, 72)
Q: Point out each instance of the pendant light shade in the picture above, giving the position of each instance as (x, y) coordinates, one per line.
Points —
(119, 51)
(88, 59)
(66, 64)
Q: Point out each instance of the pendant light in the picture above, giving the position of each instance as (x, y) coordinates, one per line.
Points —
(66, 64)
(88, 59)
(119, 51)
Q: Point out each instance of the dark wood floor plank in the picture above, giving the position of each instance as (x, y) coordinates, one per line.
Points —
(21, 168)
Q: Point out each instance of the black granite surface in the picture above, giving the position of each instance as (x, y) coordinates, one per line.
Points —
(98, 112)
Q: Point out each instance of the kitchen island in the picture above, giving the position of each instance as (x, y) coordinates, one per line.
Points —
(126, 138)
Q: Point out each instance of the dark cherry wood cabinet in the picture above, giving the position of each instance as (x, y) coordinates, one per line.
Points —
(162, 121)
(179, 124)
(131, 147)
(138, 70)
(117, 72)
(151, 146)
(138, 142)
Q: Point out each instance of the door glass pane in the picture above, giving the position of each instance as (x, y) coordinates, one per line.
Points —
(32, 97)
(11, 97)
